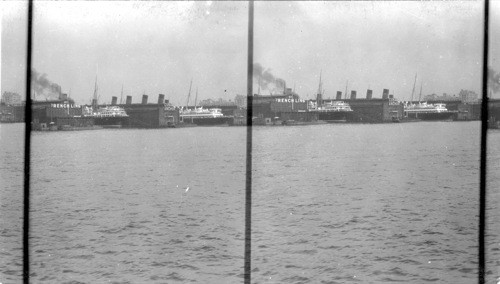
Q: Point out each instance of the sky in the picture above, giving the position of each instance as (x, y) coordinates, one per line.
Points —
(159, 47)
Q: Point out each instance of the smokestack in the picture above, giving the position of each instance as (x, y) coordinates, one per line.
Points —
(114, 100)
(353, 95)
(369, 94)
(144, 99)
(385, 94)
(161, 99)
(339, 95)
(129, 100)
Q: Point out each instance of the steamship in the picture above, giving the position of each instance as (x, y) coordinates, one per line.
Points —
(204, 117)
(200, 116)
(425, 111)
(330, 112)
(107, 116)
(333, 112)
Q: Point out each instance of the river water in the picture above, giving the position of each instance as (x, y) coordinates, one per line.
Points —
(331, 204)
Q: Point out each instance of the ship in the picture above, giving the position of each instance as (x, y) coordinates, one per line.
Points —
(330, 112)
(200, 116)
(425, 111)
(107, 116)
(334, 111)
(203, 117)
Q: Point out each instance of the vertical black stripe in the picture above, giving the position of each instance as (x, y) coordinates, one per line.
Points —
(248, 182)
(484, 129)
(27, 145)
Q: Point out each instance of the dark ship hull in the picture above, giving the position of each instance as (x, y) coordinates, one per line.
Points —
(207, 121)
(111, 122)
(334, 116)
(432, 116)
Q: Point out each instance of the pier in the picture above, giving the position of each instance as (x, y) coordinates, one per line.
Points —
(268, 110)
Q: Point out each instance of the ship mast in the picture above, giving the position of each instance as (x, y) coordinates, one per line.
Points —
(420, 95)
(189, 93)
(319, 95)
(94, 99)
(413, 91)
(196, 98)
(320, 86)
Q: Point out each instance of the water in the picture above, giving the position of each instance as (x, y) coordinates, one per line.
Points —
(331, 204)
(367, 203)
(113, 205)
(11, 202)
(493, 207)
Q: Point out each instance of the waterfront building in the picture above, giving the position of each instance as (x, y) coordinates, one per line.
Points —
(11, 98)
(467, 96)
(145, 115)
(12, 113)
(240, 101)
(275, 106)
(58, 113)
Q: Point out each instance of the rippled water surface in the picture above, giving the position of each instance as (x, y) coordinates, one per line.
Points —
(114, 205)
(367, 203)
(331, 204)
(11, 202)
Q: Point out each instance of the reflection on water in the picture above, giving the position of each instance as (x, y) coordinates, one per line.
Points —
(332, 204)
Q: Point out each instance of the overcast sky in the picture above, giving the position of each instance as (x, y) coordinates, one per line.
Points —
(158, 47)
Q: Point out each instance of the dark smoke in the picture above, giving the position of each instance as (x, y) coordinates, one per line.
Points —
(266, 79)
(43, 88)
(493, 80)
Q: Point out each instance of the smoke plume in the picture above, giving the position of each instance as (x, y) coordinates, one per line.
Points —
(266, 79)
(493, 80)
(43, 88)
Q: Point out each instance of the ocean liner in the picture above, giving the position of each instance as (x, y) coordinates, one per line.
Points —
(425, 111)
(335, 111)
(107, 116)
(330, 112)
(203, 117)
(200, 116)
